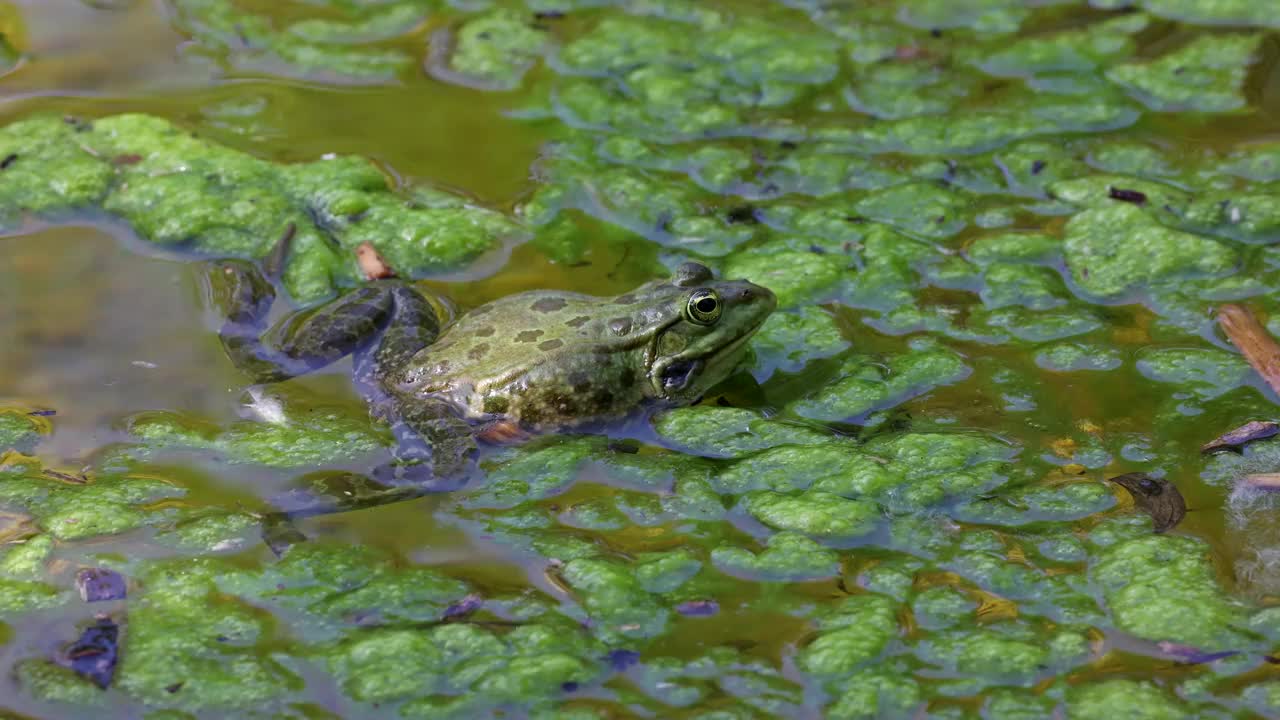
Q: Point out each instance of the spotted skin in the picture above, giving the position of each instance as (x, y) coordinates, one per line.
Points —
(560, 359)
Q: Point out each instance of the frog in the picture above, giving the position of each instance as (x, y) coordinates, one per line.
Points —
(531, 363)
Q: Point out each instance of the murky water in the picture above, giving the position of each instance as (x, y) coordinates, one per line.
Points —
(97, 325)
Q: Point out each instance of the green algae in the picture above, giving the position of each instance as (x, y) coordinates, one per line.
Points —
(1014, 247)
(855, 633)
(1136, 699)
(1065, 357)
(1210, 12)
(876, 692)
(19, 431)
(177, 189)
(818, 514)
(787, 557)
(941, 607)
(729, 432)
(460, 667)
(22, 596)
(1003, 654)
(796, 277)
(103, 506)
(1162, 588)
(615, 600)
(867, 385)
(51, 682)
(788, 341)
(739, 66)
(333, 48)
(301, 438)
(26, 560)
(211, 530)
(1206, 75)
(1040, 504)
(495, 51)
(1119, 249)
(1207, 373)
(1072, 51)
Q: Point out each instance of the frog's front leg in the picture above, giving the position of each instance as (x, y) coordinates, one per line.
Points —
(324, 493)
(434, 456)
(413, 323)
(434, 453)
(302, 342)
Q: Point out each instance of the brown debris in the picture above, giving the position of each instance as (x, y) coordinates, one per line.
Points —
(1131, 196)
(1262, 481)
(371, 263)
(1254, 342)
(504, 432)
(100, 584)
(65, 477)
(1241, 436)
(1191, 655)
(1158, 498)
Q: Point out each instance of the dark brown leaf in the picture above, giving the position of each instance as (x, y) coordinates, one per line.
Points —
(93, 656)
(1243, 435)
(1132, 196)
(1158, 498)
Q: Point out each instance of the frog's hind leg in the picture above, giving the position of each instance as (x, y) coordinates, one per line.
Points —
(412, 324)
(302, 342)
(332, 492)
(434, 445)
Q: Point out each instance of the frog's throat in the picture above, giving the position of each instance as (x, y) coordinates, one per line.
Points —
(710, 361)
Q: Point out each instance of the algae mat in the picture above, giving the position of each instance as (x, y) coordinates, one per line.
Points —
(998, 231)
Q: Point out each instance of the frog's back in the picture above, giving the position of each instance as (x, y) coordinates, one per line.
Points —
(511, 334)
(496, 351)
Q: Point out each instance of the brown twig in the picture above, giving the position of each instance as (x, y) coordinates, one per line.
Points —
(1253, 341)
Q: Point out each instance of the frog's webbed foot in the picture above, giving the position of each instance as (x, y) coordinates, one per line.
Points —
(435, 453)
(300, 343)
(279, 533)
(329, 492)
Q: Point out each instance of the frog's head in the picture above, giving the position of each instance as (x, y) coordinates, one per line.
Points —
(705, 336)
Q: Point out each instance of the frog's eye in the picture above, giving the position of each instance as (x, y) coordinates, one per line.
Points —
(704, 306)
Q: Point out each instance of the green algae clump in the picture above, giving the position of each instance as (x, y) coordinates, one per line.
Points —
(176, 189)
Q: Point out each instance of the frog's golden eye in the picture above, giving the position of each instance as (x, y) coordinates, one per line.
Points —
(704, 306)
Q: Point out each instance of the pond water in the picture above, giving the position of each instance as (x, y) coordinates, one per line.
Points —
(998, 230)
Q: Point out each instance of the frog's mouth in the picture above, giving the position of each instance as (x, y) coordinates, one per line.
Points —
(680, 372)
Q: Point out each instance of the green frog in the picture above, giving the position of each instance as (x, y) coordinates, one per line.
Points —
(530, 363)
